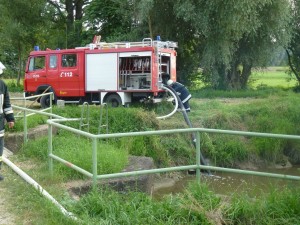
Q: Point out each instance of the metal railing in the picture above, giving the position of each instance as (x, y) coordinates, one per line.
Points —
(197, 166)
(95, 137)
(23, 110)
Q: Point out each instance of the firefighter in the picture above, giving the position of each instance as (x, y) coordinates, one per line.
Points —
(181, 90)
(6, 113)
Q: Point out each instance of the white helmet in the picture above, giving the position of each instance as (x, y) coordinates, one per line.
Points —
(170, 82)
(2, 67)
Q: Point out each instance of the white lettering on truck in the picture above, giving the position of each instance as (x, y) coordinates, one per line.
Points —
(66, 74)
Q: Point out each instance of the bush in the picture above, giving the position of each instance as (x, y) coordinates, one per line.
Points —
(13, 86)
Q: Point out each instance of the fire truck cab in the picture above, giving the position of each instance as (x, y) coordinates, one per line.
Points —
(115, 73)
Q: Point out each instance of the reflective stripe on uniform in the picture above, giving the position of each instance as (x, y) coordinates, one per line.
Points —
(1, 102)
(8, 110)
(1, 133)
(187, 98)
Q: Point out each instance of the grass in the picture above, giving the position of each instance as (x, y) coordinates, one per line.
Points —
(13, 86)
(277, 207)
(275, 114)
(271, 110)
(272, 77)
(78, 151)
(196, 205)
(262, 84)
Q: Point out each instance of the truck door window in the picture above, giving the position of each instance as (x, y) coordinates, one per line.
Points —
(36, 63)
(69, 60)
(53, 62)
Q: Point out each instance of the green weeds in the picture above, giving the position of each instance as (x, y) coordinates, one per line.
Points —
(78, 151)
(281, 206)
(136, 208)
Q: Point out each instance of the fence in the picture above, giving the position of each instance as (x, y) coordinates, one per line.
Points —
(197, 166)
(22, 110)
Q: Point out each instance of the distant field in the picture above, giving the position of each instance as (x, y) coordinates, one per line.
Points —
(273, 77)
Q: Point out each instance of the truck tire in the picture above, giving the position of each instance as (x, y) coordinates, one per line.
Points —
(45, 101)
(113, 100)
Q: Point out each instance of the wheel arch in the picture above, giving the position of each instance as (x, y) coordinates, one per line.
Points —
(125, 97)
(44, 87)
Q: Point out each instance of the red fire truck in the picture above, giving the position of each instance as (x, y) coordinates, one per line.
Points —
(115, 73)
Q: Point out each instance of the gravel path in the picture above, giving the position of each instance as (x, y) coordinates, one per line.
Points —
(6, 198)
(6, 217)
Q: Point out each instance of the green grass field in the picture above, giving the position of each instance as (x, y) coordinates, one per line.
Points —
(272, 77)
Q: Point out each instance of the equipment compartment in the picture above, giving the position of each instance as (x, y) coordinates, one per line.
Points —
(135, 73)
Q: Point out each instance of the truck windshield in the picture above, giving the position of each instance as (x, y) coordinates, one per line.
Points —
(36, 63)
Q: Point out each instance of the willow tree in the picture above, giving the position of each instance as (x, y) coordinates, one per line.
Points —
(160, 19)
(293, 50)
(237, 36)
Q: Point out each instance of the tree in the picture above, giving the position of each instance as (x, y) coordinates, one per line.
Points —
(293, 50)
(159, 19)
(237, 35)
(70, 13)
(114, 20)
(19, 25)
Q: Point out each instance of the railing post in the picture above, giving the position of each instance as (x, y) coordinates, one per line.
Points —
(51, 99)
(198, 155)
(94, 162)
(50, 148)
(25, 128)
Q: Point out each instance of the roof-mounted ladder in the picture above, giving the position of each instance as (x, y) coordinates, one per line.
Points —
(144, 43)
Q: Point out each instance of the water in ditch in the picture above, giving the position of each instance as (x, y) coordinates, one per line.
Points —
(225, 183)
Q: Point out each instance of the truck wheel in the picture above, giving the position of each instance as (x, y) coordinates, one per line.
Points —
(45, 101)
(113, 100)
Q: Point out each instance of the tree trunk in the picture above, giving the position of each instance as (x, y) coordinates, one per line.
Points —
(292, 66)
(245, 75)
(69, 23)
(235, 79)
(78, 23)
(150, 26)
(20, 64)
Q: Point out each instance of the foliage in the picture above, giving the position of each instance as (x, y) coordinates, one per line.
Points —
(272, 114)
(196, 204)
(20, 29)
(293, 49)
(283, 119)
(137, 208)
(226, 39)
(32, 122)
(236, 36)
(78, 151)
(14, 87)
(281, 206)
(114, 20)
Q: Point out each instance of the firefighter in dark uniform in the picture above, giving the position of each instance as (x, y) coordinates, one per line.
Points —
(6, 113)
(181, 90)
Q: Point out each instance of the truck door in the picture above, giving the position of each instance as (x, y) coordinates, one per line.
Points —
(70, 75)
(52, 72)
(36, 73)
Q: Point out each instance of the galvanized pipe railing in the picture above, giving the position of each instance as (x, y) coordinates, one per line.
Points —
(197, 166)
(94, 138)
(25, 109)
